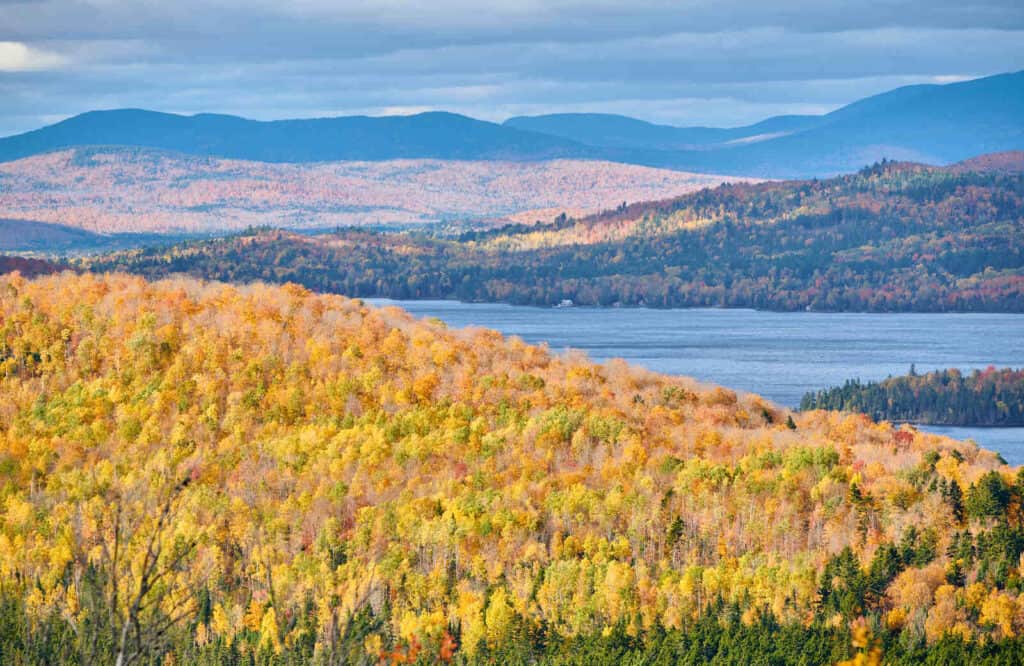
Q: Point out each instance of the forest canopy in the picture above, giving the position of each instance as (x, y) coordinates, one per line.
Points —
(218, 474)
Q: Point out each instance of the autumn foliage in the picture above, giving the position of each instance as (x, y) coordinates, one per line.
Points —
(893, 237)
(111, 190)
(257, 470)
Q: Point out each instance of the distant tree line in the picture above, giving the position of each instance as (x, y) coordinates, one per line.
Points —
(889, 238)
(987, 397)
(28, 267)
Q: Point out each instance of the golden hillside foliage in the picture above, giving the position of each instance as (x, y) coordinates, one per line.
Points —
(299, 455)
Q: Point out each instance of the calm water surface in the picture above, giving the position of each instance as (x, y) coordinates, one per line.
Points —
(778, 355)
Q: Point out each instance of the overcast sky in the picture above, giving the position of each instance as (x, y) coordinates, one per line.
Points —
(683, 62)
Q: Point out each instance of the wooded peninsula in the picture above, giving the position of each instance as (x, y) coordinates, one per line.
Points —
(987, 397)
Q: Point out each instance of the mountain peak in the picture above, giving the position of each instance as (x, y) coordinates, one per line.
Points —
(933, 123)
(432, 134)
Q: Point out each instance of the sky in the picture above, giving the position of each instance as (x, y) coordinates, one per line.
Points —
(681, 62)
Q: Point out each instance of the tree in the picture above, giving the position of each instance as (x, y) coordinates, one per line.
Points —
(989, 497)
(132, 593)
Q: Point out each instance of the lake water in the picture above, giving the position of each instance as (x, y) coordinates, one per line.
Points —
(778, 355)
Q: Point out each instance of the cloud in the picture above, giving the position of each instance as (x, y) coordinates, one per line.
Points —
(18, 57)
(718, 62)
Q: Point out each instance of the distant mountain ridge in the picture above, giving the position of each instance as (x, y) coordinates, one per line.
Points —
(603, 130)
(935, 124)
(436, 134)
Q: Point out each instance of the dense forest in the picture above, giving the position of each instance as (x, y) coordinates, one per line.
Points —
(987, 397)
(894, 237)
(27, 266)
(194, 472)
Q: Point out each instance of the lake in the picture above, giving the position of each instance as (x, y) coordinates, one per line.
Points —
(780, 355)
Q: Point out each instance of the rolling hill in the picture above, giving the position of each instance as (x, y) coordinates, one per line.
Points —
(198, 473)
(1011, 161)
(20, 235)
(893, 237)
(145, 190)
(936, 124)
(48, 239)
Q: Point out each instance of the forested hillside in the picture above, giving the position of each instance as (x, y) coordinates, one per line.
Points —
(27, 267)
(125, 190)
(946, 397)
(261, 474)
(893, 237)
